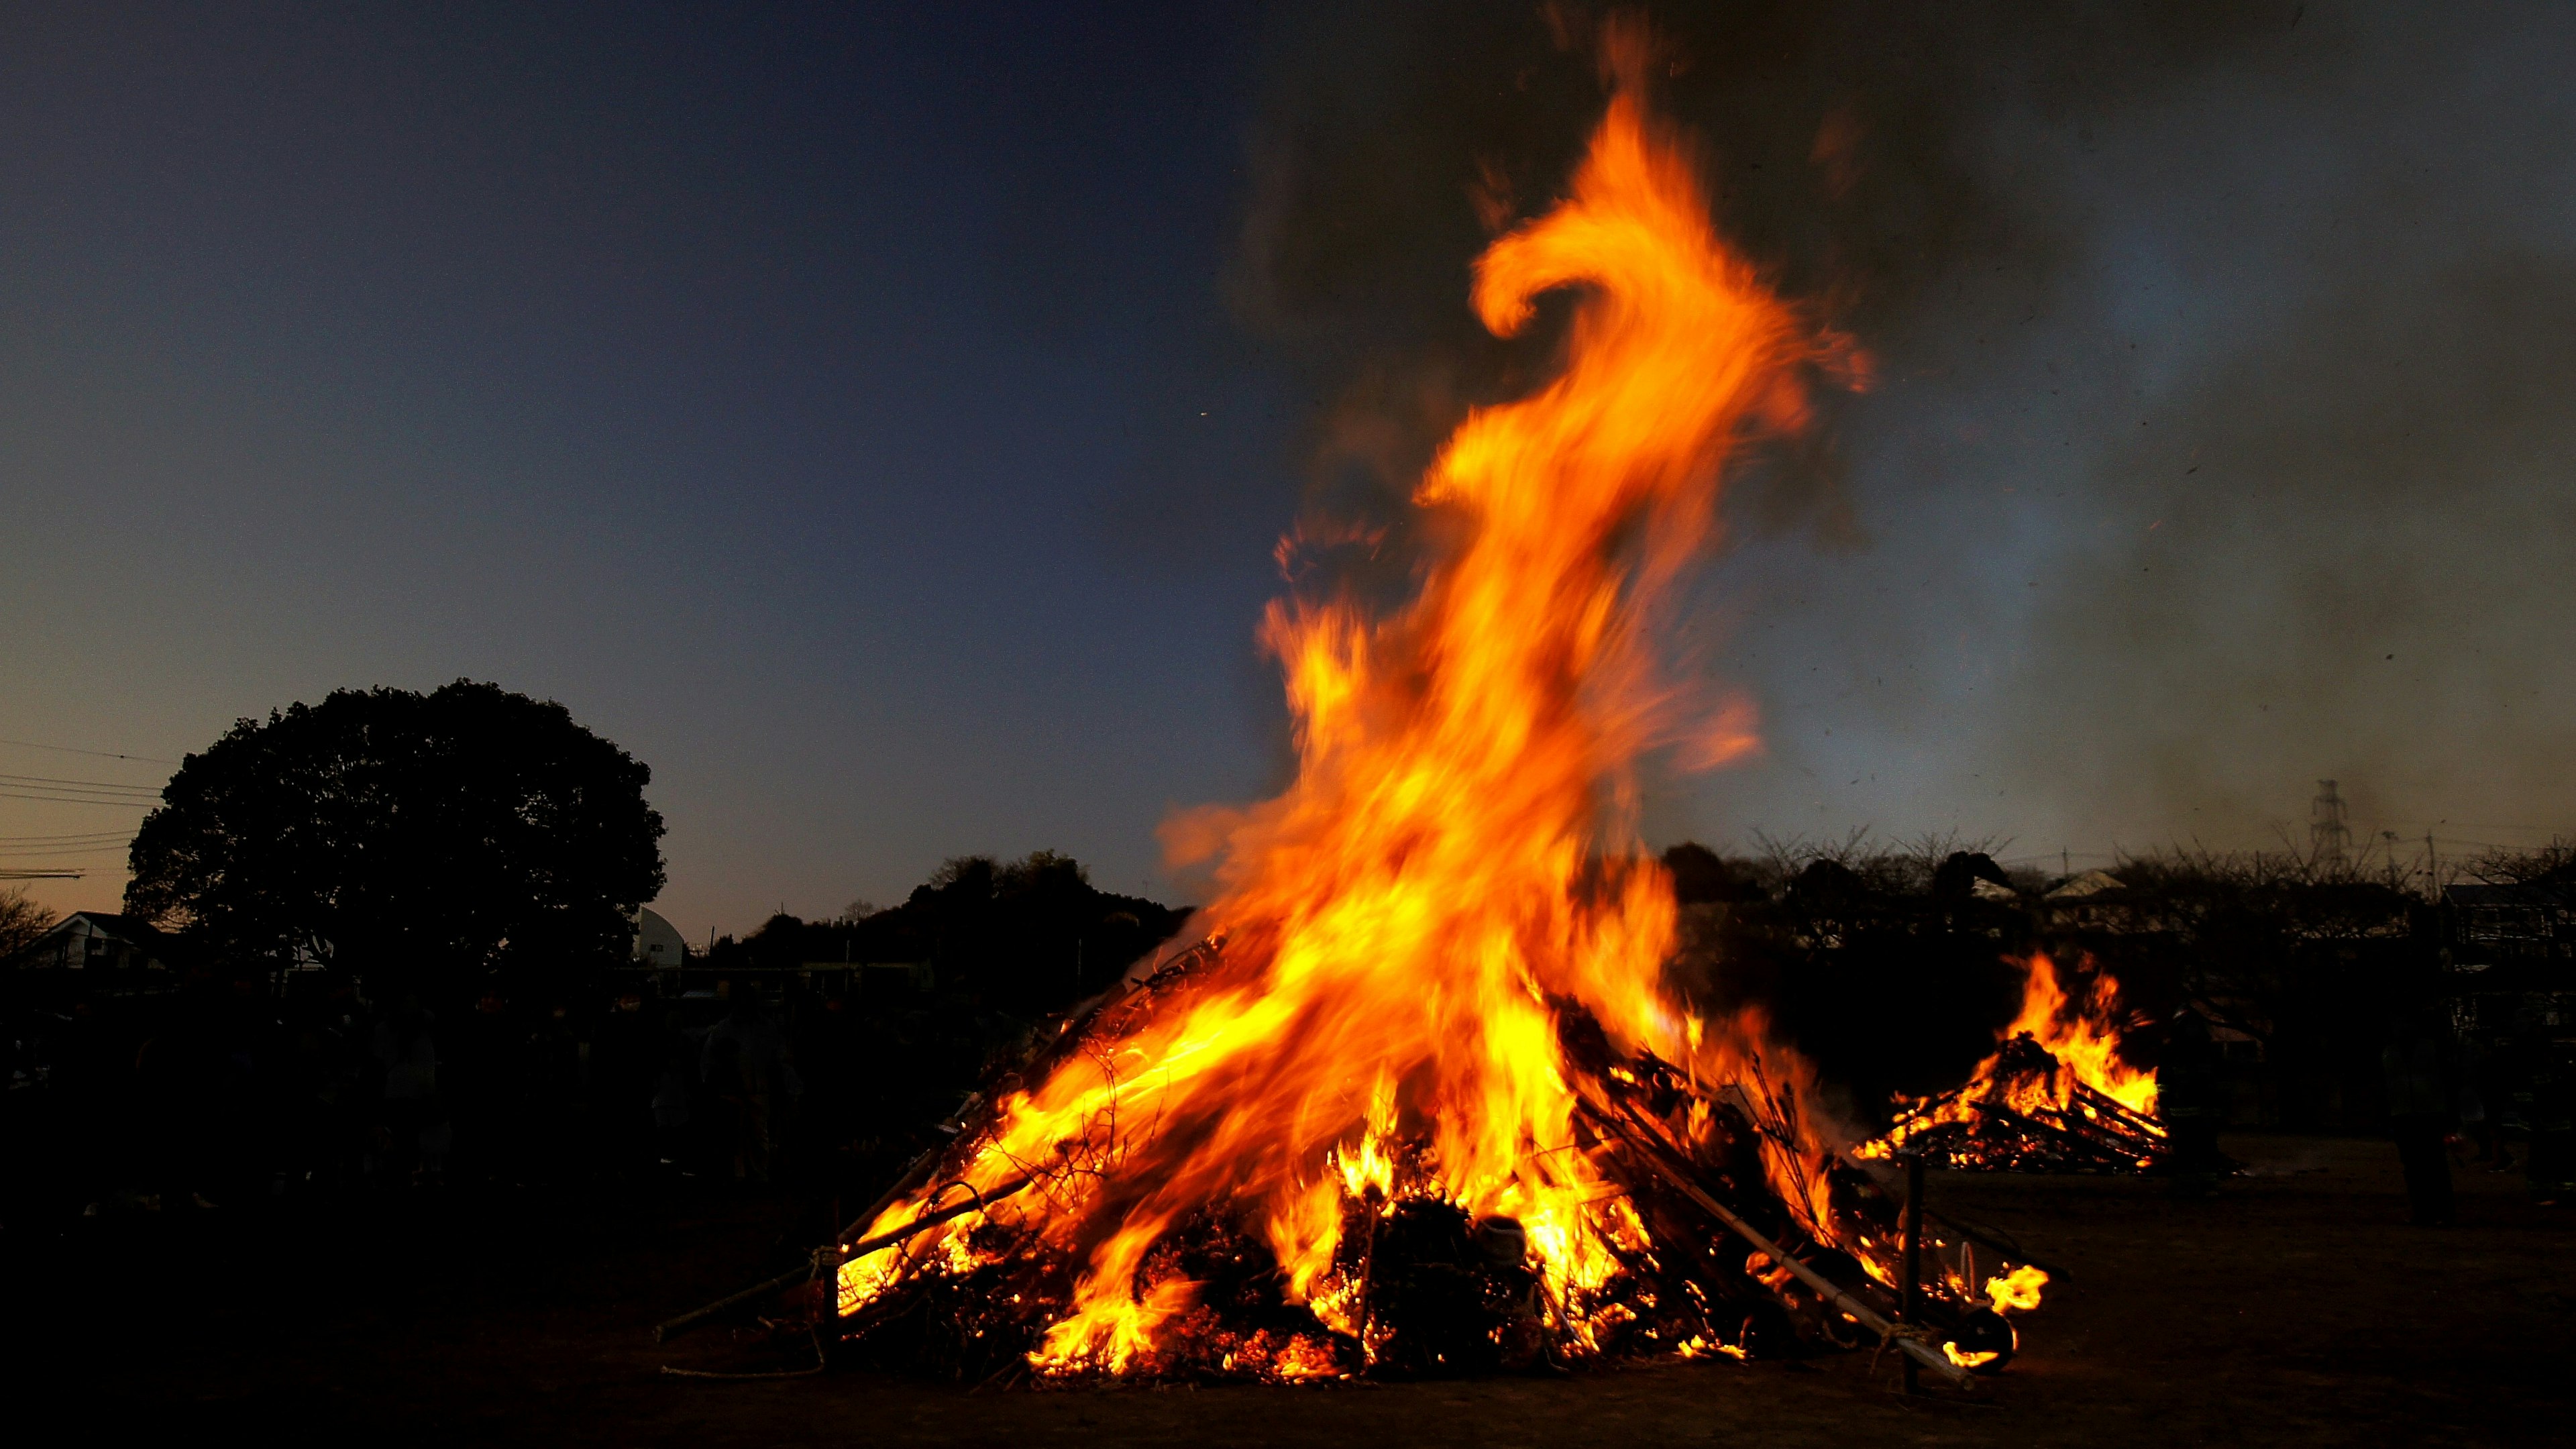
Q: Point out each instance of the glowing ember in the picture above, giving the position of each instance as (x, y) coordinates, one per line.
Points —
(1359, 1129)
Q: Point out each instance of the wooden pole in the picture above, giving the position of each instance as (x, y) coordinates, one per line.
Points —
(913, 1173)
(1910, 1305)
(1368, 1278)
(892, 1236)
(673, 1328)
(1906, 1340)
(2011, 1251)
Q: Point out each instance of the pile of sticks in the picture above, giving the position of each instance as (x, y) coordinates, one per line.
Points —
(2092, 1132)
(1420, 1291)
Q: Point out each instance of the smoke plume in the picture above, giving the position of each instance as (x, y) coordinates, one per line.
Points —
(2217, 442)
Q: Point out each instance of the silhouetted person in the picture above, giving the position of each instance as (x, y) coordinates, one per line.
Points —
(553, 1075)
(675, 1092)
(624, 1059)
(181, 1100)
(86, 1082)
(307, 1079)
(746, 1068)
(827, 1046)
(2485, 1096)
(2191, 1097)
(481, 1088)
(2421, 1098)
(416, 1129)
(2550, 1160)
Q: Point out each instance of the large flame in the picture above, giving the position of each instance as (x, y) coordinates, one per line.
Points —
(1457, 857)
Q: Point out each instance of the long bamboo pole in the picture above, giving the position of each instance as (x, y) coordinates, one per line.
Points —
(673, 1328)
(1861, 1313)
(1910, 1307)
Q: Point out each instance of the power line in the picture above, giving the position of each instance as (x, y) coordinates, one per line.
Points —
(77, 800)
(89, 785)
(77, 837)
(101, 754)
(2485, 844)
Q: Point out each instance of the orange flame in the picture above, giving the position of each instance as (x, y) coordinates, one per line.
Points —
(2082, 1036)
(1458, 851)
(2085, 1040)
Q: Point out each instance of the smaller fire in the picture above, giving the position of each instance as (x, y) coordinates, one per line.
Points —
(2056, 1096)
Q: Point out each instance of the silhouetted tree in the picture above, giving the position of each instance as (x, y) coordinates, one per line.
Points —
(1700, 875)
(21, 922)
(432, 837)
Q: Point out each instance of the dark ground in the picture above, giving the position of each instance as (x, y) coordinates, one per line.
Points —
(2298, 1307)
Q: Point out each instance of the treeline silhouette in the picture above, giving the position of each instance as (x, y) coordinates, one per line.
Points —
(809, 1057)
(816, 1056)
(1023, 938)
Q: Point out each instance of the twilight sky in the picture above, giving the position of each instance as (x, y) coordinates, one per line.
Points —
(877, 418)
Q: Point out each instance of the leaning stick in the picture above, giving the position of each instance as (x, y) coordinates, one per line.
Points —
(855, 1251)
(1905, 1337)
(2114, 1111)
(2001, 1244)
(918, 1169)
(2064, 1139)
(673, 1328)
(978, 1203)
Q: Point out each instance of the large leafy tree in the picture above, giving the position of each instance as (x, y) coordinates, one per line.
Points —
(431, 837)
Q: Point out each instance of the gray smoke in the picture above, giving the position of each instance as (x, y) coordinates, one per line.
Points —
(2221, 441)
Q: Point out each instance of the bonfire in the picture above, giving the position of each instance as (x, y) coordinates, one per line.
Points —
(2056, 1096)
(1421, 1101)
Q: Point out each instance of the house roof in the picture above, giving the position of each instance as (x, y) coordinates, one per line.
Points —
(129, 928)
(132, 930)
(2090, 883)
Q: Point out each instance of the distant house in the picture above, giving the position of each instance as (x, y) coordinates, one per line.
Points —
(896, 980)
(2511, 953)
(657, 942)
(2500, 925)
(2090, 883)
(2095, 901)
(97, 941)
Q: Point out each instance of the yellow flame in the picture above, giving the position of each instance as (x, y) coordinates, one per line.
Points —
(2017, 1291)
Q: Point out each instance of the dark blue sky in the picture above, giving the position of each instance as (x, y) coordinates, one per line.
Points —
(813, 401)
(853, 412)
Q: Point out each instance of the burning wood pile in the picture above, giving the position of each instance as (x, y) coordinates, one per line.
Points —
(2055, 1096)
(1683, 1243)
(1422, 1103)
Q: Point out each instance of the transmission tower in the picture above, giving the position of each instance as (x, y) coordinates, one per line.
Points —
(2328, 838)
